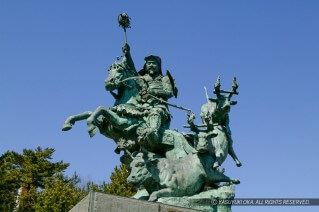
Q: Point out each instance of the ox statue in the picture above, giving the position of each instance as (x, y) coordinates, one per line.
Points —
(175, 178)
(215, 117)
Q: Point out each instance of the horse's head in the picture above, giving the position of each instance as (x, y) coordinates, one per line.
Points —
(119, 79)
(117, 72)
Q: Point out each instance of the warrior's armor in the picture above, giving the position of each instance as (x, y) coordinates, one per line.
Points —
(153, 91)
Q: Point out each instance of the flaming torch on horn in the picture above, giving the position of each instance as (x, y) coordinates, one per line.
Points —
(124, 22)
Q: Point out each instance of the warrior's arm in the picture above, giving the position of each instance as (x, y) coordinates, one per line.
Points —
(190, 119)
(161, 93)
(128, 58)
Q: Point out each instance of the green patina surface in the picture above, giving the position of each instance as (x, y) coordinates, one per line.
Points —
(164, 164)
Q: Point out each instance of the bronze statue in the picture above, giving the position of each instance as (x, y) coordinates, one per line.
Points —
(163, 162)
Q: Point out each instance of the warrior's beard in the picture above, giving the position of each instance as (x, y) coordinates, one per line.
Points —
(152, 71)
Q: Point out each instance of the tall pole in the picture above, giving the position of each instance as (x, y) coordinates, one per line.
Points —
(125, 37)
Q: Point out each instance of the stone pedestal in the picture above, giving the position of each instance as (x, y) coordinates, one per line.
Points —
(99, 202)
(205, 201)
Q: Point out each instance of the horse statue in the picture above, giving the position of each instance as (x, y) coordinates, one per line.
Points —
(111, 124)
(124, 121)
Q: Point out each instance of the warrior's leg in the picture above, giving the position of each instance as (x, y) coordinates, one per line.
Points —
(72, 119)
(154, 123)
(232, 153)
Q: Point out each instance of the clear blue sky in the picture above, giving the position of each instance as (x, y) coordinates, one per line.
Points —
(54, 57)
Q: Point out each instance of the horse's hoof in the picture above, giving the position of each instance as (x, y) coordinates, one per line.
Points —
(66, 126)
(117, 151)
(235, 181)
(153, 198)
(238, 163)
(221, 170)
(92, 130)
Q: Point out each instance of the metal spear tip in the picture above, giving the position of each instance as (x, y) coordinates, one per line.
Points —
(124, 20)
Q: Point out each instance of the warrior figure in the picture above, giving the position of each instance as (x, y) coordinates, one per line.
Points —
(154, 91)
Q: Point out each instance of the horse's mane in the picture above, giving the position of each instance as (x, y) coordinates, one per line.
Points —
(129, 89)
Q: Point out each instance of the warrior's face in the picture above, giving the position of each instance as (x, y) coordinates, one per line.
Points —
(152, 67)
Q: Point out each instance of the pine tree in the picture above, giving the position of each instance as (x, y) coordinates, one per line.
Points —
(119, 185)
(28, 171)
(35, 170)
(9, 181)
(43, 186)
(60, 195)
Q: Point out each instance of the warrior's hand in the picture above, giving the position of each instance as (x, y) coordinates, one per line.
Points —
(190, 117)
(126, 49)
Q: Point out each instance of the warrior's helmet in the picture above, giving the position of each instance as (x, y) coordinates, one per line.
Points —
(151, 58)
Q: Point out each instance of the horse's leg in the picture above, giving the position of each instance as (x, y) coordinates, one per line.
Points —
(119, 122)
(219, 156)
(218, 151)
(111, 116)
(92, 120)
(232, 153)
(165, 192)
(72, 119)
(221, 145)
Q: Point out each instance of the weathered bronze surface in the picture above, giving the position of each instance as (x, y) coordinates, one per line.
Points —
(163, 162)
